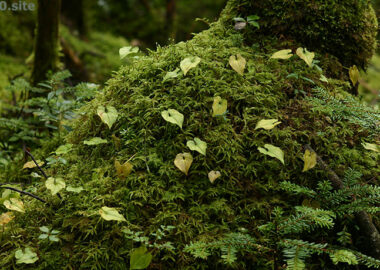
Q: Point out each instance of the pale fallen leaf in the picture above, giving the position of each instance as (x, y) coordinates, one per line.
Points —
(305, 55)
(213, 175)
(272, 151)
(109, 213)
(189, 63)
(219, 107)
(283, 54)
(238, 63)
(173, 116)
(183, 162)
(310, 160)
(267, 124)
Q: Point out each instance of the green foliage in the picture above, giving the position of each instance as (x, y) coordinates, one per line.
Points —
(206, 218)
(346, 29)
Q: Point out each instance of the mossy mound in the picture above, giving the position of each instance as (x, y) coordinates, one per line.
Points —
(346, 29)
(156, 193)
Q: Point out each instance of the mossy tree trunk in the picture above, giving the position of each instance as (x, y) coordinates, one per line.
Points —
(46, 42)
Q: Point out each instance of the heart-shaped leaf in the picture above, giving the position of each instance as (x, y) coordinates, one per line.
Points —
(183, 162)
(213, 175)
(5, 218)
(171, 75)
(95, 141)
(55, 185)
(371, 147)
(354, 75)
(15, 205)
(197, 145)
(109, 213)
(283, 54)
(238, 63)
(173, 116)
(31, 164)
(26, 256)
(219, 107)
(140, 258)
(267, 124)
(310, 160)
(272, 151)
(125, 51)
(124, 170)
(305, 55)
(189, 63)
(108, 116)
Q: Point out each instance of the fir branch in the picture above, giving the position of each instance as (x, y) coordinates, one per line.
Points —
(362, 217)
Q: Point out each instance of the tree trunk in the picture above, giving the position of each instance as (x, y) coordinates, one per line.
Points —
(170, 18)
(46, 42)
(74, 14)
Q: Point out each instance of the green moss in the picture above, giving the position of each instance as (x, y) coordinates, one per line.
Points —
(157, 193)
(346, 29)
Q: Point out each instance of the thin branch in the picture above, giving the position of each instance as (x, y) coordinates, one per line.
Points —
(35, 162)
(364, 220)
(38, 166)
(26, 193)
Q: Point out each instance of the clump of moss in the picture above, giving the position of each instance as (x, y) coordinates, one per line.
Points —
(346, 29)
(156, 193)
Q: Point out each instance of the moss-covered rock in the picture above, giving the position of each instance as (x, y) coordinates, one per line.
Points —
(346, 29)
(157, 194)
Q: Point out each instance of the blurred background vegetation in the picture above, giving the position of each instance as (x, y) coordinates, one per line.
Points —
(91, 33)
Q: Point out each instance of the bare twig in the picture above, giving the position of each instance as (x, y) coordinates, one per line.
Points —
(35, 162)
(38, 166)
(25, 193)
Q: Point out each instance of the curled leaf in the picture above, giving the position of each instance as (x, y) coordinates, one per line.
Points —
(189, 63)
(128, 50)
(26, 256)
(171, 75)
(107, 115)
(124, 170)
(238, 63)
(272, 151)
(95, 141)
(213, 175)
(371, 147)
(354, 75)
(267, 124)
(219, 107)
(55, 185)
(197, 145)
(5, 218)
(305, 55)
(183, 162)
(109, 213)
(283, 54)
(15, 205)
(310, 160)
(31, 164)
(173, 116)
